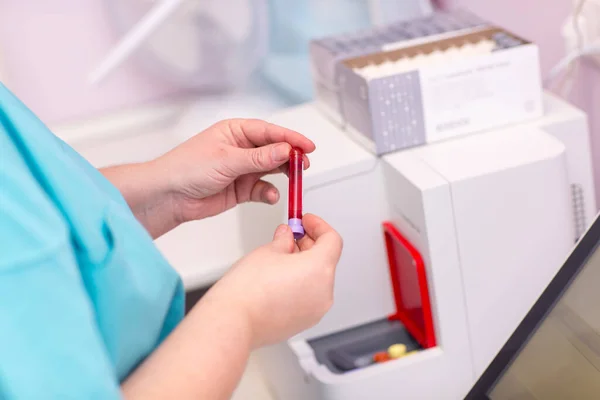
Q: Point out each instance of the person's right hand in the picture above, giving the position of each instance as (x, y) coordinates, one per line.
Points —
(284, 288)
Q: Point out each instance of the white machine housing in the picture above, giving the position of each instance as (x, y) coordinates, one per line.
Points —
(493, 216)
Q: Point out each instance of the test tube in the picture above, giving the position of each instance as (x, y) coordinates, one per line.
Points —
(295, 193)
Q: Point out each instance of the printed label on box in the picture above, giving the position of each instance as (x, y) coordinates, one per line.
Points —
(469, 96)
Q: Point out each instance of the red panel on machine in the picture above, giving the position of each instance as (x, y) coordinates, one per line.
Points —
(411, 293)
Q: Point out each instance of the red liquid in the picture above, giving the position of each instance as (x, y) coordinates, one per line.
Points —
(295, 185)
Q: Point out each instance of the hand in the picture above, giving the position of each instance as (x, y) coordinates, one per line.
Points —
(284, 288)
(268, 296)
(223, 166)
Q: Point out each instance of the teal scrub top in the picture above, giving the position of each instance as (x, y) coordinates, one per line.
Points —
(85, 295)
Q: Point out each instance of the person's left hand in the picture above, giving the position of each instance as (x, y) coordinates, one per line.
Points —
(223, 166)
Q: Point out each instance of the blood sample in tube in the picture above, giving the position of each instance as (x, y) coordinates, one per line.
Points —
(295, 193)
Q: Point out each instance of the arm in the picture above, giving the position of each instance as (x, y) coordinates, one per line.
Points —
(146, 189)
(204, 358)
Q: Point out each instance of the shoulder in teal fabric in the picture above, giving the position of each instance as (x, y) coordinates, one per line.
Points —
(85, 295)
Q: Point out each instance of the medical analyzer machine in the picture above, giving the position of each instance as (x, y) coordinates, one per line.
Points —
(458, 199)
(446, 247)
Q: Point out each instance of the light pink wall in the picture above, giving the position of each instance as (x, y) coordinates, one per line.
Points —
(541, 21)
(68, 38)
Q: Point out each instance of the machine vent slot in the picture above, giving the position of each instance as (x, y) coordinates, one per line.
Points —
(578, 210)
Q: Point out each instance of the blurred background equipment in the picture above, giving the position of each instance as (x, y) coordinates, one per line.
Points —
(194, 44)
(294, 24)
(217, 48)
(150, 59)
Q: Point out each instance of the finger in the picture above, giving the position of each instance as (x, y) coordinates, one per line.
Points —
(306, 243)
(264, 192)
(259, 159)
(326, 239)
(251, 188)
(259, 133)
(306, 161)
(283, 239)
(244, 186)
(285, 168)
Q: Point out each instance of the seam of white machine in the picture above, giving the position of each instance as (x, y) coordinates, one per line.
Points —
(345, 178)
(462, 278)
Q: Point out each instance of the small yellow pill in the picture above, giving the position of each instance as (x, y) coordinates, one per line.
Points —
(397, 350)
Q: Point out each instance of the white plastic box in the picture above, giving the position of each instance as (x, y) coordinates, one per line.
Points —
(411, 91)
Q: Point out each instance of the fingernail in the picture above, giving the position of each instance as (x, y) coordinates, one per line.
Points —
(281, 229)
(281, 152)
(273, 196)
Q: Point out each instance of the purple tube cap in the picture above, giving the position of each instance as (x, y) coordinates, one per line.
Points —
(296, 225)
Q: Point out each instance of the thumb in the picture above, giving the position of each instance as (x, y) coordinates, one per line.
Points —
(326, 240)
(283, 239)
(260, 159)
